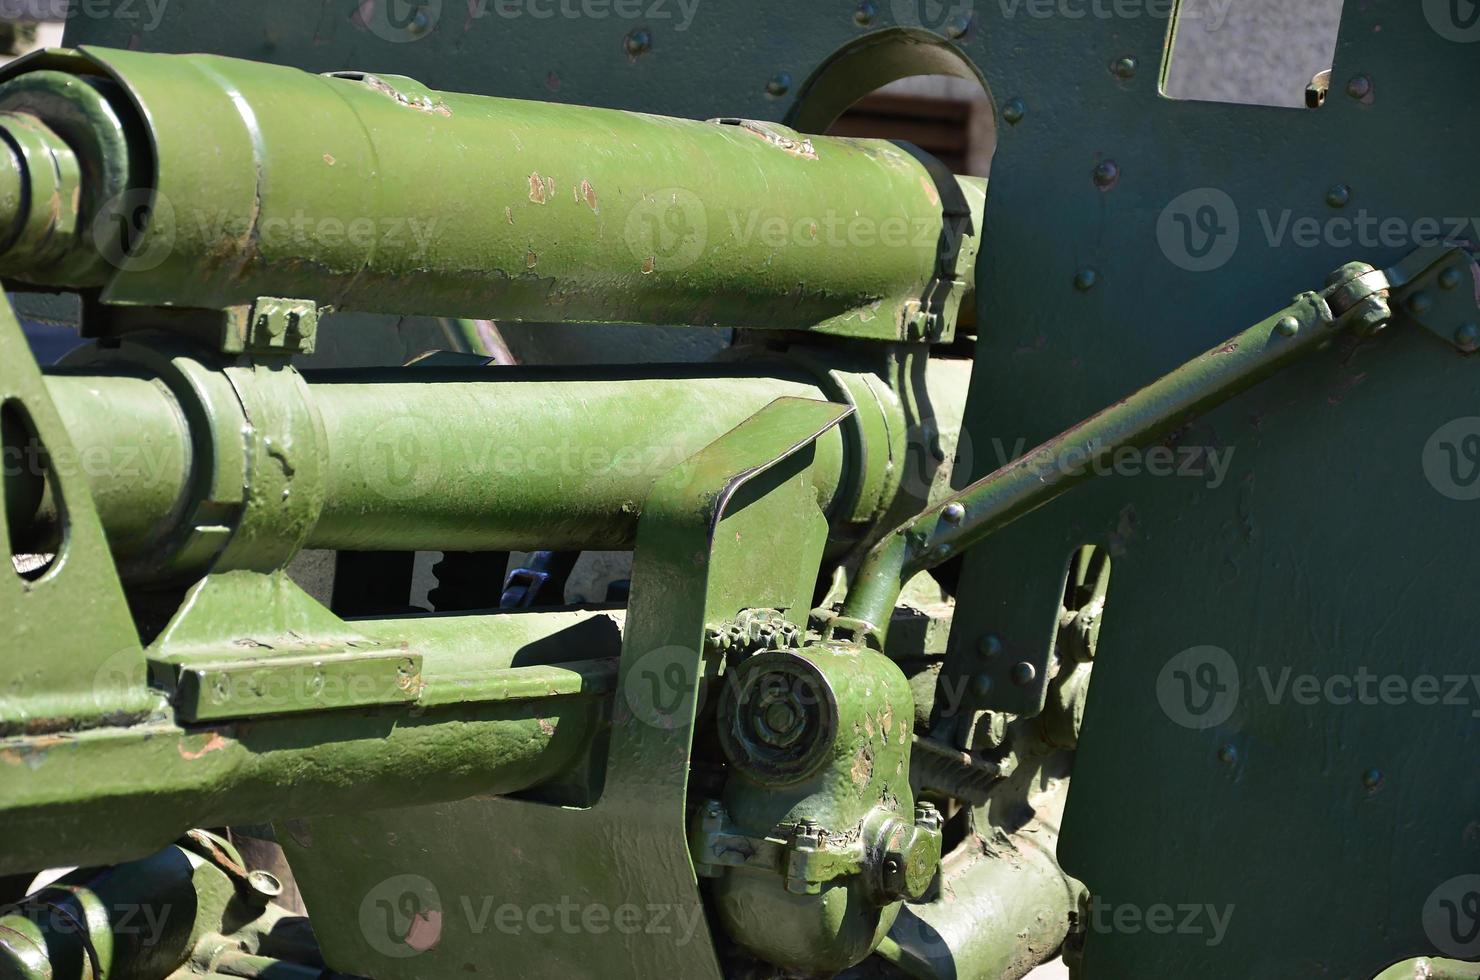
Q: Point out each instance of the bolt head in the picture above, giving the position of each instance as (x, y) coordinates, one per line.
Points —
(981, 685)
(954, 513)
(1086, 279)
(779, 84)
(1467, 338)
(1450, 278)
(1359, 87)
(1288, 326)
(1126, 68)
(639, 41)
(1339, 196)
(1024, 674)
(1107, 174)
(1013, 112)
(1420, 303)
(990, 645)
(865, 14)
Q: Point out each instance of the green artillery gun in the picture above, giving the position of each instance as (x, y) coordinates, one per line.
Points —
(830, 726)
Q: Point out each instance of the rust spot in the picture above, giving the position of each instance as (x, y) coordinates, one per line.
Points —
(930, 190)
(648, 265)
(588, 194)
(509, 215)
(212, 744)
(329, 159)
(547, 726)
(531, 260)
(1226, 350)
(537, 189)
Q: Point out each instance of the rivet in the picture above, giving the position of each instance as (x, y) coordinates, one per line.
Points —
(1107, 173)
(981, 685)
(941, 552)
(1359, 87)
(1228, 755)
(1126, 68)
(1288, 326)
(639, 42)
(954, 513)
(1339, 196)
(1420, 303)
(1085, 279)
(1467, 338)
(865, 14)
(958, 26)
(1450, 278)
(1372, 778)
(1023, 674)
(990, 645)
(1013, 112)
(779, 85)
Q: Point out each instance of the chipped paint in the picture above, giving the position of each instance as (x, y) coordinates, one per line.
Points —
(214, 743)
